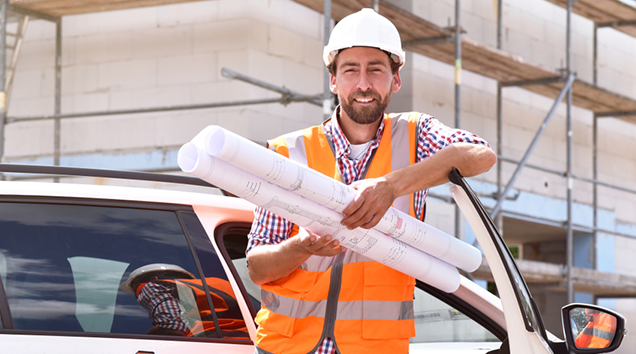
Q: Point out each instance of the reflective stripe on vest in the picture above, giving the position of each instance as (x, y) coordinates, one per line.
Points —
(347, 310)
(599, 333)
(372, 301)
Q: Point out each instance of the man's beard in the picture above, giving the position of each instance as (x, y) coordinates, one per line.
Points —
(366, 114)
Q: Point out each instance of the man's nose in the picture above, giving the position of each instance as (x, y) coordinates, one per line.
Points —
(363, 81)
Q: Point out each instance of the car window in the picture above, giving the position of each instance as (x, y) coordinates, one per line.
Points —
(109, 269)
(232, 240)
(435, 320)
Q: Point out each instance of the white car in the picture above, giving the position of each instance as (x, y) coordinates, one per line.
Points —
(101, 269)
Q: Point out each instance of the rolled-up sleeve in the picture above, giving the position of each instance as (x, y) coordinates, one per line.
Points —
(434, 136)
(267, 229)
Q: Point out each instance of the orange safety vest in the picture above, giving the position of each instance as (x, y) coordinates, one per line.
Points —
(228, 314)
(364, 306)
(599, 333)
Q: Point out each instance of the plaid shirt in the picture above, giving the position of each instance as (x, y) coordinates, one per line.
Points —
(269, 229)
(164, 309)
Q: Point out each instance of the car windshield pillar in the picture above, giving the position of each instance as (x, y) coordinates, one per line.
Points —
(528, 309)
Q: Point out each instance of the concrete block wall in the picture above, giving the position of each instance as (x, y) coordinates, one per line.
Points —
(166, 56)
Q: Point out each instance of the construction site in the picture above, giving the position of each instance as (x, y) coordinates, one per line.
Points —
(550, 84)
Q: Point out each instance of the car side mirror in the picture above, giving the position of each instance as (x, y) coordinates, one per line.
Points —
(592, 329)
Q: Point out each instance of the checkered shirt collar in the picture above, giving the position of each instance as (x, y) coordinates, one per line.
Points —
(342, 146)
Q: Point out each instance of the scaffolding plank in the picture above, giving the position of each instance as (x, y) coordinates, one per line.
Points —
(601, 11)
(58, 8)
(485, 60)
(590, 97)
(590, 281)
(604, 11)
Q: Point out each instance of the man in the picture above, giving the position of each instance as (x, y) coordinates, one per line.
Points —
(178, 305)
(318, 296)
(599, 332)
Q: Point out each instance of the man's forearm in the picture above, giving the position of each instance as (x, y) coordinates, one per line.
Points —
(469, 159)
(267, 263)
(376, 195)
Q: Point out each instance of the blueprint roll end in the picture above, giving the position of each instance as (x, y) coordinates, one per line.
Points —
(193, 160)
(442, 276)
(472, 261)
(187, 157)
(215, 140)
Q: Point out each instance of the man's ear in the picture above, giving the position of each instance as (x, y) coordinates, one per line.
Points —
(397, 82)
(332, 84)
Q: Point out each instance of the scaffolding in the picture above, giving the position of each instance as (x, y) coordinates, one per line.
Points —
(450, 46)
(447, 45)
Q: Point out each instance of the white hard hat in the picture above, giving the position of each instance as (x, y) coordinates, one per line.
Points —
(149, 269)
(365, 28)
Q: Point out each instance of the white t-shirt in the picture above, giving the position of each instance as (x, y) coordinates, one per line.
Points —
(358, 151)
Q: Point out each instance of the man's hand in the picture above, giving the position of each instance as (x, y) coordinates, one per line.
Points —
(373, 199)
(315, 244)
(376, 195)
(268, 263)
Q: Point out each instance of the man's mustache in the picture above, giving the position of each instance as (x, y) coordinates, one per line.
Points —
(366, 94)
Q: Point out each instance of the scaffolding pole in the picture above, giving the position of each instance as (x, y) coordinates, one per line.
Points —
(160, 109)
(288, 96)
(568, 171)
(499, 23)
(376, 5)
(57, 124)
(326, 96)
(499, 218)
(501, 197)
(458, 97)
(595, 186)
(58, 90)
(595, 55)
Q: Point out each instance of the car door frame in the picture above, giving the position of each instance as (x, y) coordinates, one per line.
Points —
(526, 331)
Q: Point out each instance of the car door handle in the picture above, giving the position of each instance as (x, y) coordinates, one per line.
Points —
(144, 352)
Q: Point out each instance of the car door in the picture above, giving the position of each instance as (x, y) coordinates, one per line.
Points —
(64, 264)
(524, 325)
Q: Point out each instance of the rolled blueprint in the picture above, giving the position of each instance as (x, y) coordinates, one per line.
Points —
(316, 218)
(332, 194)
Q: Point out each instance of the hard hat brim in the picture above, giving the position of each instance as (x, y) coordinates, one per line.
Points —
(140, 274)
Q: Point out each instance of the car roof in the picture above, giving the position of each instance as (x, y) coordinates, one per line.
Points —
(123, 193)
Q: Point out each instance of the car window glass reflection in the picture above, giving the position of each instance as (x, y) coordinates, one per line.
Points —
(65, 265)
(592, 328)
(436, 321)
(3, 268)
(96, 282)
